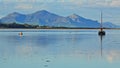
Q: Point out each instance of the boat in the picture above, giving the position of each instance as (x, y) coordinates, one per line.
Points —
(101, 32)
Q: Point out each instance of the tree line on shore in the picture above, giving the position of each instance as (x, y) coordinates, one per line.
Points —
(29, 26)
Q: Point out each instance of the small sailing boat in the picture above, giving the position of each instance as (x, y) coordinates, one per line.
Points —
(101, 32)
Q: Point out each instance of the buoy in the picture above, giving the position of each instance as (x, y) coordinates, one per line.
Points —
(20, 33)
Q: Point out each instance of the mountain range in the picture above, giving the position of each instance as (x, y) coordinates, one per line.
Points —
(45, 18)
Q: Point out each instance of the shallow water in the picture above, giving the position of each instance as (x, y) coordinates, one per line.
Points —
(59, 49)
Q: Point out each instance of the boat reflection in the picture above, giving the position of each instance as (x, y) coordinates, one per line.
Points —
(101, 44)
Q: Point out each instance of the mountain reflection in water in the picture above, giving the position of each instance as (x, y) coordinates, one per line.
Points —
(54, 49)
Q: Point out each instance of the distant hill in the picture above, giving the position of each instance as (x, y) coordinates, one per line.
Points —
(79, 21)
(45, 18)
(110, 25)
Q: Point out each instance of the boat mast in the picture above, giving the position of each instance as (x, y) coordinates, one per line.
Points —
(101, 27)
(101, 32)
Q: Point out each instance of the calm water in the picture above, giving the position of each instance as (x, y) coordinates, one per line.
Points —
(59, 49)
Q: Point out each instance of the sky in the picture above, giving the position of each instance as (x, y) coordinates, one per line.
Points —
(89, 9)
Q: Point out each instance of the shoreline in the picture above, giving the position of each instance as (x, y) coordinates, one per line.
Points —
(59, 28)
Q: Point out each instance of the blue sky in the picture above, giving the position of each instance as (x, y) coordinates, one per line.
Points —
(87, 8)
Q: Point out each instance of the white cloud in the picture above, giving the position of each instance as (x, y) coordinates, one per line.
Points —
(104, 3)
(74, 3)
(24, 6)
(115, 3)
(62, 0)
(31, 1)
(88, 3)
(1, 16)
(96, 3)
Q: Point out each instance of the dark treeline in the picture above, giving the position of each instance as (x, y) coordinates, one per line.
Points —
(28, 26)
(16, 25)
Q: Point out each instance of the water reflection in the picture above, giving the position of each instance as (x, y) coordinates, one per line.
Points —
(109, 53)
(55, 50)
(101, 44)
